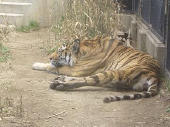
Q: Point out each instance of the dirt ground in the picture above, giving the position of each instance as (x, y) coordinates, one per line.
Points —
(43, 107)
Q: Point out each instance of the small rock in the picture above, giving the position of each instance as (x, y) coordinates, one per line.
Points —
(60, 118)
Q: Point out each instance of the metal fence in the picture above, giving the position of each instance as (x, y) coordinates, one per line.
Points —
(152, 12)
(168, 36)
(156, 15)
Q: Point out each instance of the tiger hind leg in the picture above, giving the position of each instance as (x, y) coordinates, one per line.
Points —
(147, 87)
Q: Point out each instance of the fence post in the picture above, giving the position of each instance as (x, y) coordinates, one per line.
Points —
(168, 36)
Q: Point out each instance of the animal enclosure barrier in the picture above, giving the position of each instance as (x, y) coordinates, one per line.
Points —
(153, 14)
(156, 15)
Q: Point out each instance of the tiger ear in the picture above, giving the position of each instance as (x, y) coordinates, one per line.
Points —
(98, 37)
(77, 41)
(123, 36)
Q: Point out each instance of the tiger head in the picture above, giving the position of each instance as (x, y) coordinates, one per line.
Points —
(66, 54)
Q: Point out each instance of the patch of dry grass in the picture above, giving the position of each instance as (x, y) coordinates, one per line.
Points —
(10, 104)
(87, 18)
(4, 53)
(83, 19)
(12, 111)
(9, 107)
(5, 30)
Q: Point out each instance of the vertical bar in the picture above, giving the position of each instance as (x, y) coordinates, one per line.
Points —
(140, 10)
(146, 10)
(168, 36)
(150, 12)
(133, 7)
(165, 21)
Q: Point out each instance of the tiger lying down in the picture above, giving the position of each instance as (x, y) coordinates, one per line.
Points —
(103, 62)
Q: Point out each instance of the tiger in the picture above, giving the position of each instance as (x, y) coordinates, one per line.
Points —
(104, 62)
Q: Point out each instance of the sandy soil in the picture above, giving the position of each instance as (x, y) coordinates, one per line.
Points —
(43, 107)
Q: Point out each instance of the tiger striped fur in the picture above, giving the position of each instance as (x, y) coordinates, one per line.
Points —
(104, 62)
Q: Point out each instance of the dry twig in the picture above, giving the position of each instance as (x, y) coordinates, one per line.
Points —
(55, 115)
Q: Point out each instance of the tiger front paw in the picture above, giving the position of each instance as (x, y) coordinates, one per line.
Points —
(66, 83)
(59, 85)
(39, 66)
(44, 67)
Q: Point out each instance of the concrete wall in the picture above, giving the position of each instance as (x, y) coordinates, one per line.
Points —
(45, 12)
(143, 39)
